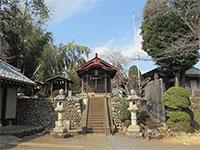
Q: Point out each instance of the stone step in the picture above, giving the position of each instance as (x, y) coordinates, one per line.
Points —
(99, 115)
(96, 128)
(96, 115)
(96, 131)
(96, 112)
(96, 122)
(96, 125)
(96, 118)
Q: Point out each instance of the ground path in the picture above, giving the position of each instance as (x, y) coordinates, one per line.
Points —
(97, 142)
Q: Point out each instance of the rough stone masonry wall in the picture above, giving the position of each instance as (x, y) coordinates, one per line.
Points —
(73, 112)
(195, 107)
(37, 112)
(116, 103)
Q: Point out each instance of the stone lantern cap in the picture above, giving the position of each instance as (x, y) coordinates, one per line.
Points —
(133, 96)
(61, 96)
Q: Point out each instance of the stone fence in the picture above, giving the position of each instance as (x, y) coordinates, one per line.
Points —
(41, 112)
(195, 107)
(116, 103)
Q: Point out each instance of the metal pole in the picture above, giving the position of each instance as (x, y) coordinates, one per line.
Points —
(137, 54)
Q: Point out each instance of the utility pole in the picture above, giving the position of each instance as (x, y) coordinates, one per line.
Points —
(137, 53)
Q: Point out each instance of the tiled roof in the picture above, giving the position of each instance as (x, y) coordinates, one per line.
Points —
(61, 77)
(8, 72)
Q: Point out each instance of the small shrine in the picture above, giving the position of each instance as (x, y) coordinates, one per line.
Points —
(96, 75)
(59, 82)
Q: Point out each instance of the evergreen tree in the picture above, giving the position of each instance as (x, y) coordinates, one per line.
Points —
(161, 31)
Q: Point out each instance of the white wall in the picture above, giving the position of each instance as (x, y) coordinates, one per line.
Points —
(11, 103)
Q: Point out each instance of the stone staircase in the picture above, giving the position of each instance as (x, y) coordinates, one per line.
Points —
(96, 122)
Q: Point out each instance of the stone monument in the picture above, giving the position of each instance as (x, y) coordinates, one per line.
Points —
(133, 129)
(60, 129)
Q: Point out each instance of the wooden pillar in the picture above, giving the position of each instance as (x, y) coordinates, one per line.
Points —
(4, 104)
(95, 83)
(87, 83)
(106, 90)
(66, 87)
(83, 84)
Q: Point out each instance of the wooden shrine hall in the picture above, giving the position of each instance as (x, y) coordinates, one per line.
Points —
(59, 82)
(96, 75)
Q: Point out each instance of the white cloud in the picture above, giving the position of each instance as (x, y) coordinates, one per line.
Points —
(64, 9)
(126, 46)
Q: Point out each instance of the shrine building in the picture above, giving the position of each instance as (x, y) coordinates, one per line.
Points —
(59, 82)
(96, 75)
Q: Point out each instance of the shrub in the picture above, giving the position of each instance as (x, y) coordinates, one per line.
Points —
(177, 116)
(125, 114)
(180, 126)
(176, 98)
(141, 117)
(177, 102)
(127, 123)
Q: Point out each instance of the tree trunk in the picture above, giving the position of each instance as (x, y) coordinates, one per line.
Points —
(177, 79)
(182, 81)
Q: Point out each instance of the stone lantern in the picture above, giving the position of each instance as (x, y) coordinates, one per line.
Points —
(60, 129)
(133, 98)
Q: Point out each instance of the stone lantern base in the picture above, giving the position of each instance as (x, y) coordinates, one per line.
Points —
(60, 132)
(133, 131)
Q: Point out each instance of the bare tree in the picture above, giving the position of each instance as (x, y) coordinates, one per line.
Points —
(189, 12)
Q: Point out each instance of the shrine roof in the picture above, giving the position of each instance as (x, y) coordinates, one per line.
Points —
(59, 77)
(96, 61)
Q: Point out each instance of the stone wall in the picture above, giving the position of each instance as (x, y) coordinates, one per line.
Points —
(195, 107)
(116, 103)
(73, 112)
(41, 112)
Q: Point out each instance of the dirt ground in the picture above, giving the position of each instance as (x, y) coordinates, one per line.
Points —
(186, 139)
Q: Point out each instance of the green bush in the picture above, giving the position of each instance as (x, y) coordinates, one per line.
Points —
(177, 116)
(176, 98)
(177, 102)
(141, 117)
(127, 123)
(125, 114)
(180, 126)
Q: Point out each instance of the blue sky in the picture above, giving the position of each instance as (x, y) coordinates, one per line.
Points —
(105, 26)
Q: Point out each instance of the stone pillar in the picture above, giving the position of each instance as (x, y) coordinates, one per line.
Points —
(60, 129)
(133, 128)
